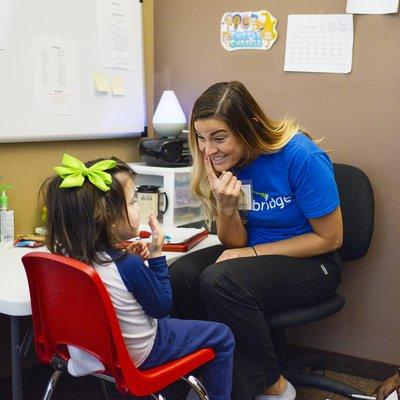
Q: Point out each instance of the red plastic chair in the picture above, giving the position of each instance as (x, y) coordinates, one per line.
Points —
(71, 306)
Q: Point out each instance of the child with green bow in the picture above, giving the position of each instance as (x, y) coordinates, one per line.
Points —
(91, 209)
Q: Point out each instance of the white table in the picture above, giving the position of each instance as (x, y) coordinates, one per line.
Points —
(15, 300)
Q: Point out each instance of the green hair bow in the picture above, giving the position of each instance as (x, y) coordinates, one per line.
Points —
(74, 171)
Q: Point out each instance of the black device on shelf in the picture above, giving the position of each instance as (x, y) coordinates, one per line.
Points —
(165, 152)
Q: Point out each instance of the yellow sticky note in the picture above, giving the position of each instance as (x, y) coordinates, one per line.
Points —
(117, 83)
(101, 83)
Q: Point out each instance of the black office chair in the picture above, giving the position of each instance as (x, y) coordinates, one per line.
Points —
(357, 204)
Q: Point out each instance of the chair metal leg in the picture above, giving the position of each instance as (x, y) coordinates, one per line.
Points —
(158, 397)
(104, 389)
(52, 384)
(197, 386)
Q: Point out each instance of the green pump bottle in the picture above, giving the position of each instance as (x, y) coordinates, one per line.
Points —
(6, 218)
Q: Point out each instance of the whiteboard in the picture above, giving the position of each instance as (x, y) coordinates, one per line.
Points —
(97, 114)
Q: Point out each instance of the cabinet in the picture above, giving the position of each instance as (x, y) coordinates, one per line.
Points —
(175, 182)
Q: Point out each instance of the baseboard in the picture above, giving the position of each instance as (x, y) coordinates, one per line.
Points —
(348, 364)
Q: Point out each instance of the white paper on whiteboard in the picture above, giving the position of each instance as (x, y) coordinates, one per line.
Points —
(372, 6)
(115, 33)
(56, 77)
(319, 43)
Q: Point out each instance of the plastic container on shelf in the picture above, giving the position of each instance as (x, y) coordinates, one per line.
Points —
(175, 183)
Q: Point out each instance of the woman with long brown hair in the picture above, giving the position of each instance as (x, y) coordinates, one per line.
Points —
(272, 194)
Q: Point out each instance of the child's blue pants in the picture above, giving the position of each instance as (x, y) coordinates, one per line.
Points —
(177, 338)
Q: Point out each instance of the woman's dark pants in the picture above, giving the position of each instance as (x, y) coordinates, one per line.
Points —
(241, 293)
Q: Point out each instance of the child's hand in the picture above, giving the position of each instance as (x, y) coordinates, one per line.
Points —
(157, 237)
(139, 248)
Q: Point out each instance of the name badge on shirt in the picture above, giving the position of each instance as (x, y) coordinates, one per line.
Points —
(246, 195)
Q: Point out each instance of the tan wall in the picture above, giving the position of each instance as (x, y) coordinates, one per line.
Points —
(357, 113)
(26, 165)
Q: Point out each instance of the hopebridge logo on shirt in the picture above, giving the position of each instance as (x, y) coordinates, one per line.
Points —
(269, 202)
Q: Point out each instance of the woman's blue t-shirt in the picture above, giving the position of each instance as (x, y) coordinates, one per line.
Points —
(288, 188)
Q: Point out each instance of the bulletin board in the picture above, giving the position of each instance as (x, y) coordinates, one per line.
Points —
(50, 54)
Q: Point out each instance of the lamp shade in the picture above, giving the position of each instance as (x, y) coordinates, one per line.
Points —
(169, 119)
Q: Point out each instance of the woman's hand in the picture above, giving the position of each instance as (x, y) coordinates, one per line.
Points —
(157, 235)
(385, 388)
(226, 189)
(139, 248)
(236, 253)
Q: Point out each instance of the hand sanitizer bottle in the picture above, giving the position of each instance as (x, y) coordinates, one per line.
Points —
(6, 218)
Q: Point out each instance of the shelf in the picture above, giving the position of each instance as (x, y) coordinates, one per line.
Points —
(183, 209)
(142, 168)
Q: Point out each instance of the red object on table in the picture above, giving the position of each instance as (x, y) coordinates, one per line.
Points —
(144, 234)
(187, 244)
(178, 247)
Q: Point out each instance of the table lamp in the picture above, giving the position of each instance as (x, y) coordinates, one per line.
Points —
(169, 119)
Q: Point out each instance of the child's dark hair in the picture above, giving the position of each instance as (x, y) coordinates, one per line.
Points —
(79, 220)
